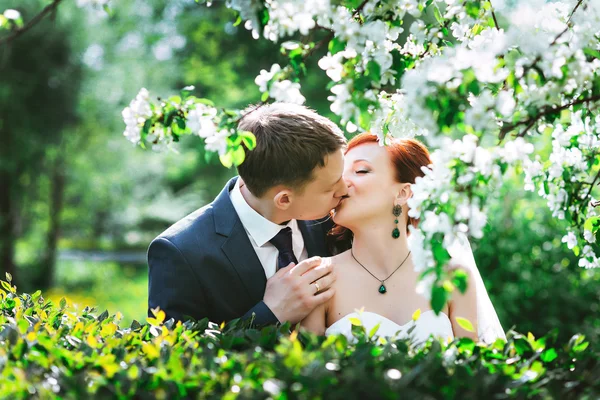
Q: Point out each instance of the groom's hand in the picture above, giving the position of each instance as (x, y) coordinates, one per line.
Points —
(291, 293)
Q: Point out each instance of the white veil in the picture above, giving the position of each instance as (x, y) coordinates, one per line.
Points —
(488, 325)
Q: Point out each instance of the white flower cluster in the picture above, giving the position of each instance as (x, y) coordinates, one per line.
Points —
(392, 119)
(291, 16)
(573, 145)
(448, 70)
(442, 186)
(201, 121)
(280, 90)
(248, 10)
(135, 116)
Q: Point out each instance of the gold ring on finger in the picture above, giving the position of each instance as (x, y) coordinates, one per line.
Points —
(317, 286)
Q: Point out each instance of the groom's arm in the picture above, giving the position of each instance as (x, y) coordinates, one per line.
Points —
(261, 315)
(172, 284)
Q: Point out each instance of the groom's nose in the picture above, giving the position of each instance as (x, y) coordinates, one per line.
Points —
(343, 189)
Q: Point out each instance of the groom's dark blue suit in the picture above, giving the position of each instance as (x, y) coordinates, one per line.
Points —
(205, 266)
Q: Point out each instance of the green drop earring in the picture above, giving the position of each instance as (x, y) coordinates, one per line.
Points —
(397, 211)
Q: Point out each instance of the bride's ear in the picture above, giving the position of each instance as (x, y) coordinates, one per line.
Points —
(404, 193)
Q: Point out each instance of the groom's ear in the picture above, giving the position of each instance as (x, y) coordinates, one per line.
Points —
(283, 199)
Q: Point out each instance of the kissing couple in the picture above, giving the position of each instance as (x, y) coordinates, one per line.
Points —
(313, 229)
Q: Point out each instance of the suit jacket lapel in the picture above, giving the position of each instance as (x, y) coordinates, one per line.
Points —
(314, 238)
(237, 246)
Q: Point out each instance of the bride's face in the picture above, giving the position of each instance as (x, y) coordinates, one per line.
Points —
(372, 188)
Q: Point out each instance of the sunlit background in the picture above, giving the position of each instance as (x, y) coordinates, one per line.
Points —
(82, 204)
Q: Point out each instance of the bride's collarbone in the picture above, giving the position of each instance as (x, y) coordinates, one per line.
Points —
(395, 305)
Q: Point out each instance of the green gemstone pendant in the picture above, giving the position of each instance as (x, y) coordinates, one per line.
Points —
(396, 233)
(382, 289)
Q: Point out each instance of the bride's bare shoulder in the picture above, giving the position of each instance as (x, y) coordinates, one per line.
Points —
(339, 260)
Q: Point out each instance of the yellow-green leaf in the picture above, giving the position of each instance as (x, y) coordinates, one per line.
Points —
(355, 321)
(374, 330)
(465, 324)
(133, 372)
(416, 315)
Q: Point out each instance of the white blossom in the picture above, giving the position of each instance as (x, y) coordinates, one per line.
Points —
(266, 76)
(200, 120)
(570, 239)
(287, 91)
(136, 114)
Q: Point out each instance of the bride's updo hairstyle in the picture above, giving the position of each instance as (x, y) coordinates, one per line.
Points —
(407, 157)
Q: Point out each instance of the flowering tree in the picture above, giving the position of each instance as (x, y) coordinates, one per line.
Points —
(521, 96)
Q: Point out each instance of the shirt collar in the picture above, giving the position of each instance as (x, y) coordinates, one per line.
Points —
(260, 229)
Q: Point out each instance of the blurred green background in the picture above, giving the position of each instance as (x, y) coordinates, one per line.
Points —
(79, 204)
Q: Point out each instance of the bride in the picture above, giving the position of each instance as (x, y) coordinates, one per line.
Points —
(375, 270)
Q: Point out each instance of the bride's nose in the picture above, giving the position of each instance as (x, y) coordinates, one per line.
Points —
(347, 180)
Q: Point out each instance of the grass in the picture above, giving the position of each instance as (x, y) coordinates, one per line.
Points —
(104, 285)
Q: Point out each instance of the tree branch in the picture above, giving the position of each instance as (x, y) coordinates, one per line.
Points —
(331, 34)
(591, 203)
(539, 57)
(548, 110)
(494, 15)
(47, 10)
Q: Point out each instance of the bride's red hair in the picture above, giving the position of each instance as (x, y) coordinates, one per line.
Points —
(407, 157)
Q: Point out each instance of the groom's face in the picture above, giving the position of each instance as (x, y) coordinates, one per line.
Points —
(324, 192)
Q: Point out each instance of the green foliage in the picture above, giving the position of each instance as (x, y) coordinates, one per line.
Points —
(533, 281)
(51, 351)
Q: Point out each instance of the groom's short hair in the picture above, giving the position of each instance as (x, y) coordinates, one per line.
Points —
(291, 140)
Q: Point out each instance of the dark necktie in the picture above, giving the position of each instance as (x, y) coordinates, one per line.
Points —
(283, 242)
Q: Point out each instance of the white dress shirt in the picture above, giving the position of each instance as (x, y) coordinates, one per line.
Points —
(260, 230)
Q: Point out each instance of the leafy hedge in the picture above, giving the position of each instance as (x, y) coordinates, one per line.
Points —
(49, 351)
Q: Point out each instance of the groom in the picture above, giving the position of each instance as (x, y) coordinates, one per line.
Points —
(253, 252)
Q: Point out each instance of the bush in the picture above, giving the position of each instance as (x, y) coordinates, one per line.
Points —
(49, 351)
(533, 279)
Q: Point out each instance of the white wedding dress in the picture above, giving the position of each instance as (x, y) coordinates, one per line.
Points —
(427, 324)
(489, 328)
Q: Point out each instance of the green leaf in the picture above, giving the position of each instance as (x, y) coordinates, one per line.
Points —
(6, 286)
(238, 20)
(460, 279)
(248, 139)
(8, 277)
(581, 347)
(264, 97)
(264, 16)
(374, 330)
(439, 297)
(438, 15)
(440, 254)
(374, 71)
(238, 156)
(548, 355)
(63, 303)
(465, 324)
(135, 325)
(103, 316)
(227, 159)
(565, 117)
(336, 45)
(592, 224)
(355, 321)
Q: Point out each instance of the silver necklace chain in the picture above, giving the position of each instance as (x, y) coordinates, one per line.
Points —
(365, 268)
